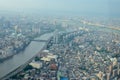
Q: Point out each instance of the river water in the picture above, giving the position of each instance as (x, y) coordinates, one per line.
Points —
(19, 59)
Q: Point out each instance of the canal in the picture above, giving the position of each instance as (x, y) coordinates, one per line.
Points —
(19, 59)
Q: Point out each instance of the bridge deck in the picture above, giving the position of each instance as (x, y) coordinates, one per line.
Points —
(40, 40)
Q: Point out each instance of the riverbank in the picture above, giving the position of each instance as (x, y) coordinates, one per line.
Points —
(14, 52)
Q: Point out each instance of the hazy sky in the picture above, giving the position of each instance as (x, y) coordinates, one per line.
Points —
(63, 6)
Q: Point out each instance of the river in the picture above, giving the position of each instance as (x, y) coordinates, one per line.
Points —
(19, 59)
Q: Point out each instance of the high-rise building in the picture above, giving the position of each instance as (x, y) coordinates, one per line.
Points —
(16, 29)
(108, 76)
(110, 69)
(118, 68)
(55, 38)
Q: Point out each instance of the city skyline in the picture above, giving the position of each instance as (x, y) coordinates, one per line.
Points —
(59, 40)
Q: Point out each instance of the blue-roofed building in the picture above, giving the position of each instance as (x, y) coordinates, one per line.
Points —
(63, 78)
